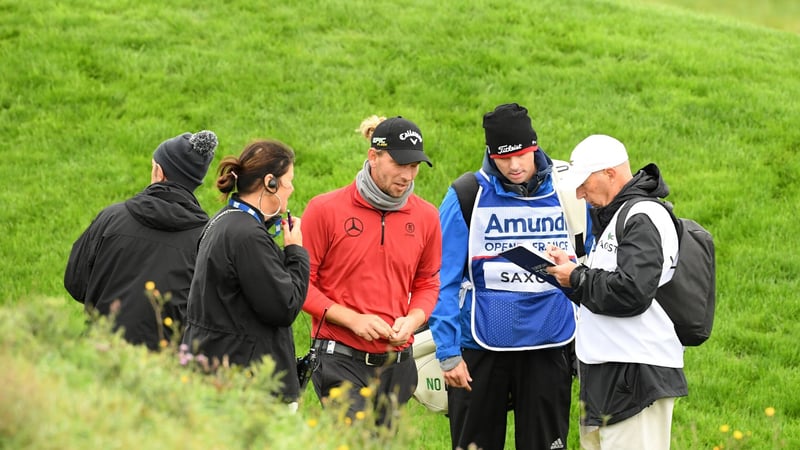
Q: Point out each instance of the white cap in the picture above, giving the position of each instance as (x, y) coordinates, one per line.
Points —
(596, 152)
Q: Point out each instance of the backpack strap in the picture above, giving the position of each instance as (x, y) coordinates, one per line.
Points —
(622, 216)
(466, 187)
(626, 207)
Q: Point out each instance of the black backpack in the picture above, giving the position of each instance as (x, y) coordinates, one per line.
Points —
(689, 297)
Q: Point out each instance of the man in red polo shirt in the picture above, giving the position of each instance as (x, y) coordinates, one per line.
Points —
(375, 250)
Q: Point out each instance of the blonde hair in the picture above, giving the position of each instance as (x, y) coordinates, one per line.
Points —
(368, 126)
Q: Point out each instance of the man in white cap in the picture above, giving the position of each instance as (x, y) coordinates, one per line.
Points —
(630, 358)
(151, 237)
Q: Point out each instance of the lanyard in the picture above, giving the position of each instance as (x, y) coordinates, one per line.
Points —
(246, 209)
(255, 215)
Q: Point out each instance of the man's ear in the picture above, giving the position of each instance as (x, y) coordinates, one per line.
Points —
(157, 173)
(372, 156)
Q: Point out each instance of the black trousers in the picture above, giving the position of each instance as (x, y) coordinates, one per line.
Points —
(396, 383)
(537, 384)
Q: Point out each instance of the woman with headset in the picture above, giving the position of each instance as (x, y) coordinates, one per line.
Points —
(246, 291)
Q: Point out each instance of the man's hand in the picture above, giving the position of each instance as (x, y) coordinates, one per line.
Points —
(558, 255)
(563, 268)
(402, 330)
(370, 327)
(404, 327)
(458, 376)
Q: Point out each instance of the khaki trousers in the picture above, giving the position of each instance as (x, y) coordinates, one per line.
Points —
(650, 429)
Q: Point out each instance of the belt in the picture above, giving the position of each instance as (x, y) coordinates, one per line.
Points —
(370, 359)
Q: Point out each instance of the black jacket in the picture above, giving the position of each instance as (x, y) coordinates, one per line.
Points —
(150, 237)
(613, 392)
(245, 295)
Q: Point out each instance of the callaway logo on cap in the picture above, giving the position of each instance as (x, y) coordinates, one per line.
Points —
(402, 139)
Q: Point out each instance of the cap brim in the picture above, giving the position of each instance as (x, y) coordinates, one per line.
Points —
(574, 177)
(523, 151)
(403, 157)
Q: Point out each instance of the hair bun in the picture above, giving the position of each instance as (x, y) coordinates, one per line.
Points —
(204, 142)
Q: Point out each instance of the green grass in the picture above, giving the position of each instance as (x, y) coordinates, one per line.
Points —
(778, 14)
(88, 89)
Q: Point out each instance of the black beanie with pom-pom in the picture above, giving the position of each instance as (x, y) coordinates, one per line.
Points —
(185, 158)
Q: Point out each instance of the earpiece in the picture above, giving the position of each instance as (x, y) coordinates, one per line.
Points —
(272, 184)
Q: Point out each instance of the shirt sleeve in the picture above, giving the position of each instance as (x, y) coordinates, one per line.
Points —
(425, 286)
(273, 282)
(445, 319)
(316, 241)
(81, 259)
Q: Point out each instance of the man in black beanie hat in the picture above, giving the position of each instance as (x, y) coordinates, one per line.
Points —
(185, 158)
(504, 337)
(151, 237)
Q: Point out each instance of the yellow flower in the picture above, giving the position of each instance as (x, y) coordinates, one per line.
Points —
(149, 285)
(365, 392)
(770, 411)
(168, 321)
(360, 415)
(184, 379)
(343, 447)
(725, 428)
(335, 392)
(163, 343)
(348, 421)
(716, 447)
(737, 435)
(312, 422)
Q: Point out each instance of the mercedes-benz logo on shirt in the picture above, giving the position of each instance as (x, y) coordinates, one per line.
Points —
(353, 226)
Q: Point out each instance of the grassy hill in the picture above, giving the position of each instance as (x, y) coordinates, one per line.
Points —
(89, 89)
(778, 14)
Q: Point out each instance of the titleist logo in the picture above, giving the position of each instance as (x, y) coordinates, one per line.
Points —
(508, 148)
